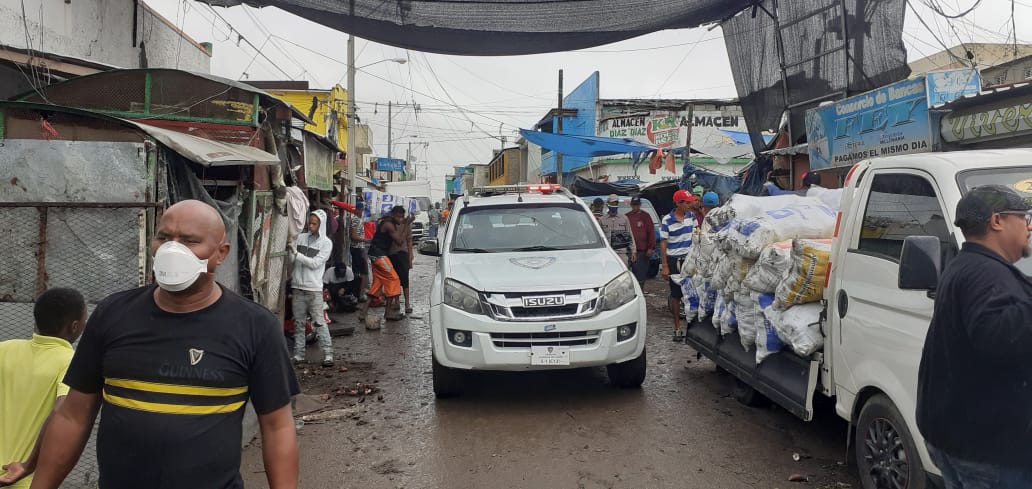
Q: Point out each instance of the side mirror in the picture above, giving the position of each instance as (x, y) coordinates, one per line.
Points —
(920, 263)
(429, 247)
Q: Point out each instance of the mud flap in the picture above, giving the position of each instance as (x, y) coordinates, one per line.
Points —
(786, 378)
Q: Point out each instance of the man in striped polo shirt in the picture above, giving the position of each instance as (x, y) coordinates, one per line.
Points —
(675, 239)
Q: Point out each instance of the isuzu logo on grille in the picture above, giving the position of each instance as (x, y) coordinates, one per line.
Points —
(544, 301)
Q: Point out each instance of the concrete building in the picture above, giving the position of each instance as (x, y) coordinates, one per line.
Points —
(504, 168)
(998, 64)
(42, 41)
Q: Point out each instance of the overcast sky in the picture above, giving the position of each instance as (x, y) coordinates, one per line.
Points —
(502, 94)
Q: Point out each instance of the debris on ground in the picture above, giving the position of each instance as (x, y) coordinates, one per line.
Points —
(798, 478)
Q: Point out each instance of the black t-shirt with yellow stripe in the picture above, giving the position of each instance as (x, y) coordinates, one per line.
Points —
(174, 387)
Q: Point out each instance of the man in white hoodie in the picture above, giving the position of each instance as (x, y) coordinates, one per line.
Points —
(311, 250)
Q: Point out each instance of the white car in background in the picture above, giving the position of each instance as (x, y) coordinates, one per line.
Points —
(526, 281)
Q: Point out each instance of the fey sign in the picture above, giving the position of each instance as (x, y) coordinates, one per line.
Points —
(890, 120)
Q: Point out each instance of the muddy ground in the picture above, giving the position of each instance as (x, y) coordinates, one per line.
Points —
(372, 422)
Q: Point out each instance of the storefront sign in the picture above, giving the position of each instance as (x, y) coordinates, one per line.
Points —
(887, 121)
(712, 131)
(987, 124)
(390, 164)
(949, 85)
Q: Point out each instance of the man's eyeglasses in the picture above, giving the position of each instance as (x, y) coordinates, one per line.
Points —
(1027, 214)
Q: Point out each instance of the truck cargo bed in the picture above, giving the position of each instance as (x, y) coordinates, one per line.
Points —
(784, 377)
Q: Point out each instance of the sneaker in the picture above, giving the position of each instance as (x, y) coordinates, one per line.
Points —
(408, 310)
(298, 360)
(327, 361)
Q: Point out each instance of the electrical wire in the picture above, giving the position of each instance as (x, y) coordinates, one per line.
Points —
(937, 38)
(937, 8)
(241, 37)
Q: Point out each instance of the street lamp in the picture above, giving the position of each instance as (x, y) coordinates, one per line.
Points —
(352, 126)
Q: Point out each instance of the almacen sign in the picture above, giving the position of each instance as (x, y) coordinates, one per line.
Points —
(711, 130)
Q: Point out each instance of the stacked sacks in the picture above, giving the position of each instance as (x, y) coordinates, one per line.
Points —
(756, 260)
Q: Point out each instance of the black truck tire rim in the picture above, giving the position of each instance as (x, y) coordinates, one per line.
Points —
(886, 455)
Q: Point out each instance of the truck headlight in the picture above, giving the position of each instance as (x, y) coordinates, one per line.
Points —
(618, 292)
(462, 297)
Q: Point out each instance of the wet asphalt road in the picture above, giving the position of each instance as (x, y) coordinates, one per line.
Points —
(561, 429)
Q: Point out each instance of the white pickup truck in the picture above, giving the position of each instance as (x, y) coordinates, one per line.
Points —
(894, 232)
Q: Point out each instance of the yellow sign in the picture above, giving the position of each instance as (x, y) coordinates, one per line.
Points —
(1024, 186)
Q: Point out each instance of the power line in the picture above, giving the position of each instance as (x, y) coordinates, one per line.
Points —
(944, 46)
(937, 8)
(240, 37)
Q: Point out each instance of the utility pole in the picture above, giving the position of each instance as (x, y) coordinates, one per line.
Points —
(559, 130)
(352, 126)
(389, 118)
(408, 158)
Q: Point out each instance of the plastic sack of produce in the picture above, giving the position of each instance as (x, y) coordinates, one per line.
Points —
(805, 281)
(739, 270)
(704, 248)
(750, 317)
(689, 299)
(707, 298)
(808, 219)
(719, 313)
(767, 340)
(729, 318)
(770, 269)
(832, 197)
(747, 206)
(799, 327)
(723, 265)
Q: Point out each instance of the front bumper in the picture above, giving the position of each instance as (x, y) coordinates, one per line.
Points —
(493, 353)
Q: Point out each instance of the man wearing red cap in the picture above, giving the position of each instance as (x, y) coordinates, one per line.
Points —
(675, 239)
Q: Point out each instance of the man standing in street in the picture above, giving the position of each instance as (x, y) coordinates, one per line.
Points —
(359, 250)
(675, 239)
(385, 278)
(434, 217)
(31, 374)
(974, 394)
(618, 231)
(311, 250)
(172, 364)
(644, 232)
(400, 253)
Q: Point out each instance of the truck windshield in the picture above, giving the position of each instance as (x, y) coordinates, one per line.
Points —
(1018, 178)
(500, 229)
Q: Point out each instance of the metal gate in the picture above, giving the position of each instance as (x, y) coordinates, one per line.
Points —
(95, 248)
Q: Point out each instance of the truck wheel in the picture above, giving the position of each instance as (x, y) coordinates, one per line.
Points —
(885, 453)
(745, 394)
(629, 374)
(447, 381)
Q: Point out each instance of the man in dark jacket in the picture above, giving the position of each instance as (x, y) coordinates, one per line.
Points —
(974, 396)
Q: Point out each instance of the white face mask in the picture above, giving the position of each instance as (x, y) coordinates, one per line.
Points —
(176, 268)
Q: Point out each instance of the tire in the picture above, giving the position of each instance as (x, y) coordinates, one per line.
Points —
(886, 456)
(629, 374)
(447, 381)
(745, 394)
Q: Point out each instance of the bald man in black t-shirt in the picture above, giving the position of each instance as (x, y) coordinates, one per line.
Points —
(173, 370)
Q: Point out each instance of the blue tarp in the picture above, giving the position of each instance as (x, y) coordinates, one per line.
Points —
(573, 145)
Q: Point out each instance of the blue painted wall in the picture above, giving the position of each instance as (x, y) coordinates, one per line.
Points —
(584, 98)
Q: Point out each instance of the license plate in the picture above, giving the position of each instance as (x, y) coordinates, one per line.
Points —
(549, 355)
(544, 301)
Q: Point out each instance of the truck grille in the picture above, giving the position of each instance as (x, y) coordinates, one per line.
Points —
(509, 306)
(527, 340)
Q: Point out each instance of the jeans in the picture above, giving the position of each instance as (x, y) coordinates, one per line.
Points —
(964, 474)
(310, 303)
(433, 230)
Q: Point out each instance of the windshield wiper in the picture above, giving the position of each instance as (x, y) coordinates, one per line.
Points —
(471, 250)
(537, 248)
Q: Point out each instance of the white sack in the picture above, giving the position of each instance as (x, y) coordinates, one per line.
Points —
(799, 327)
(770, 269)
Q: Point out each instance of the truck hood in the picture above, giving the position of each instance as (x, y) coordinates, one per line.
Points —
(534, 271)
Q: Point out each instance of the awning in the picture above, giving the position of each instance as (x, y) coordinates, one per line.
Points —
(573, 145)
(209, 152)
(799, 149)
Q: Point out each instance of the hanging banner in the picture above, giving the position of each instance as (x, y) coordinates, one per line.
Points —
(379, 204)
(390, 164)
(973, 126)
(887, 121)
(715, 133)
